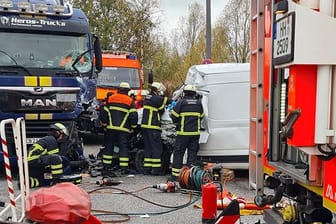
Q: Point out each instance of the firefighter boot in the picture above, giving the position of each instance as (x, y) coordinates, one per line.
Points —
(157, 172)
(124, 171)
(108, 172)
(172, 179)
(147, 171)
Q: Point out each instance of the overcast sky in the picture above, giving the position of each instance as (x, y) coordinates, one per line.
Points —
(175, 9)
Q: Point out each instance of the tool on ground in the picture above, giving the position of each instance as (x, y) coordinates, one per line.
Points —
(167, 187)
(106, 181)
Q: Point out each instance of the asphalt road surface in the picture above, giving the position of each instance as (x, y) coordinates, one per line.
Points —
(134, 200)
(140, 203)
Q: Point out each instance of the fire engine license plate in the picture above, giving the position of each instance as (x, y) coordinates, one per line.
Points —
(283, 40)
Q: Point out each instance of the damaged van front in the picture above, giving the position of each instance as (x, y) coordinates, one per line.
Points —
(225, 92)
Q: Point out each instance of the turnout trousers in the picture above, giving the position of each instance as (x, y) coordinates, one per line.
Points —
(153, 149)
(120, 139)
(46, 164)
(183, 143)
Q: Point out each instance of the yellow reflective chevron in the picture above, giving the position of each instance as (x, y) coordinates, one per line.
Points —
(189, 114)
(30, 81)
(45, 81)
(37, 81)
(122, 125)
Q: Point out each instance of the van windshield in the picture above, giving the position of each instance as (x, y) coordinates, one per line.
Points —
(113, 76)
(193, 78)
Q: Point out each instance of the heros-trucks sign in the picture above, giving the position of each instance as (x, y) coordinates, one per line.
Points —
(53, 25)
(29, 22)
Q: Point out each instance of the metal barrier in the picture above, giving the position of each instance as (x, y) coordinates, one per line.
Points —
(19, 133)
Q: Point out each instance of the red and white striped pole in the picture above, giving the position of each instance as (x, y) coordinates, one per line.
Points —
(7, 165)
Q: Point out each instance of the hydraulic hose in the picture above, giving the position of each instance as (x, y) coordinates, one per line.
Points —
(270, 199)
(193, 178)
(327, 155)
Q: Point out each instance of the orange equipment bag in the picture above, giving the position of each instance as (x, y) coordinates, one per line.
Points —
(63, 203)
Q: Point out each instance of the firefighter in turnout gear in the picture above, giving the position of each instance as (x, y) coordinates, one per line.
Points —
(44, 160)
(154, 106)
(119, 117)
(187, 115)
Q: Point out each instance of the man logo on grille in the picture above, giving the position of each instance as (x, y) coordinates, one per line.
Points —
(38, 89)
(4, 20)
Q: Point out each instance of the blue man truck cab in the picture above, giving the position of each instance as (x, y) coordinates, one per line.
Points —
(48, 65)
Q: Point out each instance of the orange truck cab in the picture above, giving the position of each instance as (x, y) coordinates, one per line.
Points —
(119, 67)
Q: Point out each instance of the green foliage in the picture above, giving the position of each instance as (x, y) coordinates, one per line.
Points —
(235, 22)
(122, 25)
(132, 25)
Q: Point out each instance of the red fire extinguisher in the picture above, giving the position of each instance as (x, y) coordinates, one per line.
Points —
(209, 203)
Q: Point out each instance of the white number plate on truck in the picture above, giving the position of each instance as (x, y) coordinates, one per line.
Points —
(65, 97)
(31, 141)
(283, 39)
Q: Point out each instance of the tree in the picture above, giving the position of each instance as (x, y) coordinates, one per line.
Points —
(235, 23)
(220, 51)
(191, 27)
(122, 25)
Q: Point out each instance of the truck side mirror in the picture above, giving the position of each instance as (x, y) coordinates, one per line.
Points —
(98, 54)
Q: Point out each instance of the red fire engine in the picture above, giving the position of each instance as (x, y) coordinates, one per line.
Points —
(292, 110)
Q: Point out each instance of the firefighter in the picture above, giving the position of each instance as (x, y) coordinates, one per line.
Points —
(154, 106)
(44, 161)
(119, 117)
(187, 115)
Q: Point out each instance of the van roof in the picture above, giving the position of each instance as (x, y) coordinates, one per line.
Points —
(206, 69)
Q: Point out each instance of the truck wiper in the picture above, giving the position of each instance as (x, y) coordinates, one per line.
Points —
(16, 64)
(78, 58)
(106, 86)
(67, 73)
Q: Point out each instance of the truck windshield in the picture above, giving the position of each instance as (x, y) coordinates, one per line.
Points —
(45, 51)
(113, 76)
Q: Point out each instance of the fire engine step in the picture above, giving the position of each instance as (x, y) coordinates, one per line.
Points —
(272, 217)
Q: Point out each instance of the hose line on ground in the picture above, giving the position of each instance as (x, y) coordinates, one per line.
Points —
(126, 215)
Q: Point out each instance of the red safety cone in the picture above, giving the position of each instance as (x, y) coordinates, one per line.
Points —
(230, 215)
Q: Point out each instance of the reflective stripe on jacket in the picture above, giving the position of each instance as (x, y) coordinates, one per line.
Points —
(153, 108)
(187, 115)
(46, 145)
(120, 113)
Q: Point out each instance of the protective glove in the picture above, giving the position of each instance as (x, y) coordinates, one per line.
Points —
(172, 105)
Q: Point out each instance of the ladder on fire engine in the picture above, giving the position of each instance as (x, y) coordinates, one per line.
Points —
(256, 174)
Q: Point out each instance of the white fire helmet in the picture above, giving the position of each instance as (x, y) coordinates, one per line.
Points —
(124, 85)
(189, 88)
(60, 127)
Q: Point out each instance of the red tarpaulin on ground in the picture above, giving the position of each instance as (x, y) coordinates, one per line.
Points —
(63, 203)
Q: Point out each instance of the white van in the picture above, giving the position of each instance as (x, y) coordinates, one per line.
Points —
(225, 89)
